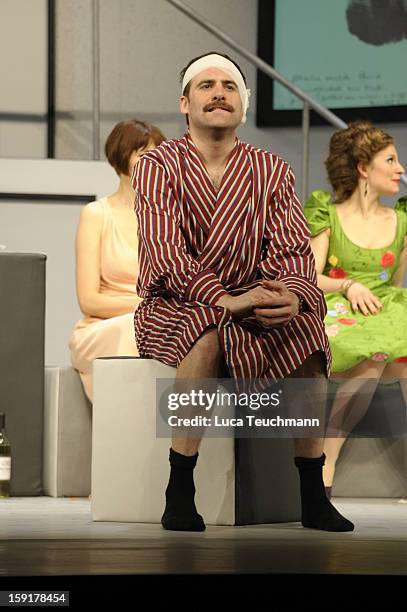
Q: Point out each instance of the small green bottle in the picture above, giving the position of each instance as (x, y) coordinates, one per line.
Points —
(5, 459)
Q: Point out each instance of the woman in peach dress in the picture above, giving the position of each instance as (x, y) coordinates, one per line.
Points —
(106, 258)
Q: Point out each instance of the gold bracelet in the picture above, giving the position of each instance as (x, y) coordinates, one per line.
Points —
(347, 283)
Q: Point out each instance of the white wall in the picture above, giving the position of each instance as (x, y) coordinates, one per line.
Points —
(50, 228)
(23, 76)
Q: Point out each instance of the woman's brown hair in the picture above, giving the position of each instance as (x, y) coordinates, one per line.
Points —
(359, 142)
(126, 137)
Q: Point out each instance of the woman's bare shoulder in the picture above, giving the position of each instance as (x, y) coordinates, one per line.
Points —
(93, 211)
(324, 233)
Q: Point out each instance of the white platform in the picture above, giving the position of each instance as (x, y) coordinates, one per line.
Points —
(130, 467)
(67, 434)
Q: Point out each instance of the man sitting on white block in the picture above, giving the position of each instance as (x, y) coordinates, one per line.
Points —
(227, 273)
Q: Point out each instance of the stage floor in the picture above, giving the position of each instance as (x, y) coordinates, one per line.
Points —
(43, 536)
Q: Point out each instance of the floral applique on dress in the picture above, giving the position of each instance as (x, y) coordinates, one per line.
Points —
(335, 272)
(387, 260)
(333, 260)
(347, 321)
(332, 330)
(341, 308)
(380, 356)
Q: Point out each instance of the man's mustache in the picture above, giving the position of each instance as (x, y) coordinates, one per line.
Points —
(223, 105)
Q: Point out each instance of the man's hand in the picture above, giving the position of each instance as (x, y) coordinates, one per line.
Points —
(242, 305)
(271, 303)
(284, 305)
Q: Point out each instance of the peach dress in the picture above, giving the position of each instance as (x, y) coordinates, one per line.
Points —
(94, 337)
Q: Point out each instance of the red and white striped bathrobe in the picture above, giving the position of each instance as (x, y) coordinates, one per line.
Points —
(196, 244)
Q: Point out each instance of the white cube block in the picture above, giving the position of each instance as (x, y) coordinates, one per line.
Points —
(130, 467)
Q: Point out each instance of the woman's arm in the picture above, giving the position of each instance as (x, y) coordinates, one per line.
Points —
(320, 246)
(93, 303)
(360, 297)
(398, 276)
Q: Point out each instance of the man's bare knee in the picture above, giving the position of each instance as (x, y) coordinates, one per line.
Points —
(312, 367)
(204, 358)
(208, 346)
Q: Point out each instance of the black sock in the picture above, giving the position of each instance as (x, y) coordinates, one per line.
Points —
(317, 510)
(180, 512)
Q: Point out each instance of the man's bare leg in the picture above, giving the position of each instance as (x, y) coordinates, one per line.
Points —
(317, 512)
(203, 361)
(313, 367)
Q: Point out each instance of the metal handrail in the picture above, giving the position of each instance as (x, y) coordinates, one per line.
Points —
(305, 149)
(96, 78)
(272, 73)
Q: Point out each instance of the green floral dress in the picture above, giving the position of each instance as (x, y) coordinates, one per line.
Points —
(353, 336)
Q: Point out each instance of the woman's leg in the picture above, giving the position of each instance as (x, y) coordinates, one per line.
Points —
(398, 371)
(350, 405)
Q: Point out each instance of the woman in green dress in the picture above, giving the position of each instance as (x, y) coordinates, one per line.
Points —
(360, 249)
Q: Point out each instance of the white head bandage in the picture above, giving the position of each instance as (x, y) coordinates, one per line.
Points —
(218, 61)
